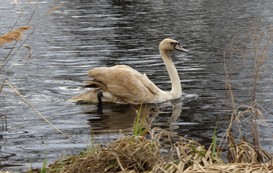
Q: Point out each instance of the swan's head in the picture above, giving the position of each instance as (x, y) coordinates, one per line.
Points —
(170, 44)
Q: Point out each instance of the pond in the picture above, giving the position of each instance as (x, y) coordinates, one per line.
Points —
(70, 37)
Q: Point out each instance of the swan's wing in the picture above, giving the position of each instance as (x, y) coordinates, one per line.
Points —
(93, 83)
(125, 83)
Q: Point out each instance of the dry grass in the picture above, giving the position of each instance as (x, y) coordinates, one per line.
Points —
(128, 153)
(242, 149)
(139, 154)
(14, 35)
(32, 107)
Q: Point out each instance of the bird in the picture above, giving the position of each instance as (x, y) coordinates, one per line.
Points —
(122, 84)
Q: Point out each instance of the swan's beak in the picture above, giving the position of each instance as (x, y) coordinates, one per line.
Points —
(180, 48)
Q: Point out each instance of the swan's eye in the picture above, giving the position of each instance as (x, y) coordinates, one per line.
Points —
(174, 44)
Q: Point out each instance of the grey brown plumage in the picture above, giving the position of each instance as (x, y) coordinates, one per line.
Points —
(123, 84)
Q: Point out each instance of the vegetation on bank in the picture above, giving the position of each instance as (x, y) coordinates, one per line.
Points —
(162, 151)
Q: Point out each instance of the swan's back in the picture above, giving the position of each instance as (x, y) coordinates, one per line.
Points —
(125, 83)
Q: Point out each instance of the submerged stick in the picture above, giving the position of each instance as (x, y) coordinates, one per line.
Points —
(33, 108)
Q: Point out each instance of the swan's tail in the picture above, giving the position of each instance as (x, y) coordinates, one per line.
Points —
(91, 95)
(86, 97)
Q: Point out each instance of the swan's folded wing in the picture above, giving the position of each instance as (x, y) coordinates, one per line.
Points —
(148, 83)
(94, 84)
(125, 82)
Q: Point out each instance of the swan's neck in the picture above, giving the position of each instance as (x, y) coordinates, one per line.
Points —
(176, 91)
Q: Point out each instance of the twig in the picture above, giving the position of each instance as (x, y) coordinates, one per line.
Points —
(6, 59)
(29, 20)
(119, 163)
(33, 108)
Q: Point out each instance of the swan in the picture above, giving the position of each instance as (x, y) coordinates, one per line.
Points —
(124, 85)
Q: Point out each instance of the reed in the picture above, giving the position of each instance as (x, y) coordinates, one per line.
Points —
(14, 35)
(241, 149)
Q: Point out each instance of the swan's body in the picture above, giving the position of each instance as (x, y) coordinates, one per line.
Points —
(123, 84)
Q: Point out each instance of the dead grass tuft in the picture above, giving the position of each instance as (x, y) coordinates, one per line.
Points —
(139, 154)
(14, 35)
(244, 152)
(128, 153)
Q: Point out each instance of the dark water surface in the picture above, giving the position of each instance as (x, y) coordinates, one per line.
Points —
(67, 41)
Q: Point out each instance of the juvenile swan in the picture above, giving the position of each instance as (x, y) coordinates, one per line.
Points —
(123, 84)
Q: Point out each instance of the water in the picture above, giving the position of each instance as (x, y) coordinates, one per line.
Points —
(67, 41)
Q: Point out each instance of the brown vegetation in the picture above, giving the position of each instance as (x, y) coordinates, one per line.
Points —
(14, 35)
(136, 154)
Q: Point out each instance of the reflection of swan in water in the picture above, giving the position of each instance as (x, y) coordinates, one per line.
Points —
(116, 117)
(123, 84)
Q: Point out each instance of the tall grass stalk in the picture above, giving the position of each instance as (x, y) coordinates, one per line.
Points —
(44, 169)
(261, 55)
(261, 43)
(214, 142)
(33, 108)
(138, 125)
